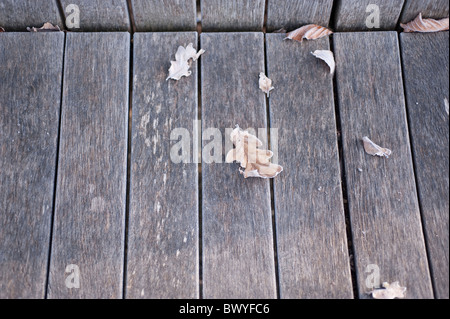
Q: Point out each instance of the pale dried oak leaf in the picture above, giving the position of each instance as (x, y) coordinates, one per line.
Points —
(389, 291)
(425, 25)
(180, 67)
(47, 27)
(328, 57)
(265, 84)
(255, 161)
(308, 32)
(375, 150)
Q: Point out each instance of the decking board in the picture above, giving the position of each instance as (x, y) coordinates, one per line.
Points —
(313, 259)
(30, 98)
(100, 15)
(435, 9)
(382, 198)
(89, 222)
(165, 15)
(237, 240)
(163, 252)
(426, 69)
(17, 15)
(351, 15)
(292, 14)
(232, 15)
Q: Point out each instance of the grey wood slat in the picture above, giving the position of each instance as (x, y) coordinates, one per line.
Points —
(163, 256)
(30, 98)
(382, 198)
(165, 15)
(17, 15)
(313, 259)
(237, 240)
(100, 15)
(292, 14)
(436, 9)
(89, 221)
(232, 15)
(426, 69)
(351, 15)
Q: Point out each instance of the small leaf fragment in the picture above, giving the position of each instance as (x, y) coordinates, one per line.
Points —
(425, 25)
(446, 105)
(2, 30)
(308, 32)
(180, 67)
(265, 84)
(47, 27)
(328, 57)
(375, 150)
(389, 291)
(255, 161)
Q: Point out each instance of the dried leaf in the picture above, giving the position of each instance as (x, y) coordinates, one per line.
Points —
(47, 27)
(425, 25)
(446, 105)
(373, 149)
(180, 67)
(2, 30)
(327, 56)
(308, 32)
(255, 161)
(390, 291)
(282, 30)
(265, 84)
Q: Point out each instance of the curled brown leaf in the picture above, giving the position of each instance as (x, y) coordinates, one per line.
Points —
(255, 161)
(47, 27)
(308, 32)
(420, 24)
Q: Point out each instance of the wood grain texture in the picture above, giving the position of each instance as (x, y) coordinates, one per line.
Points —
(425, 66)
(382, 198)
(163, 256)
(100, 15)
(292, 14)
(232, 15)
(351, 15)
(165, 15)
(238, 256)
(436, 9)
(89, 222)
(313, 259)
(30, 98)
(17, 15)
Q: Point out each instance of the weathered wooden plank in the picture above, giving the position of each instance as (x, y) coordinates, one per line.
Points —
(30, 98)
(425, 66)
(313, 259)
(166, 15)
(382, 198)
(238, 257)
(89, 222)
(98, 15)
(163, 256)
(352, 15)
(17, 15)
(232, 15)
(436, 9)
(291, 14)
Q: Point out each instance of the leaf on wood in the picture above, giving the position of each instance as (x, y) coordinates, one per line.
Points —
(328, 57)
(180, 67)
(446, 105)
(282, 30)
(47, 27)
(308, 32)
(389, 291)
(373, 149)
(255, 161)
(265, 84)
(2, 30)
(425, 25)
